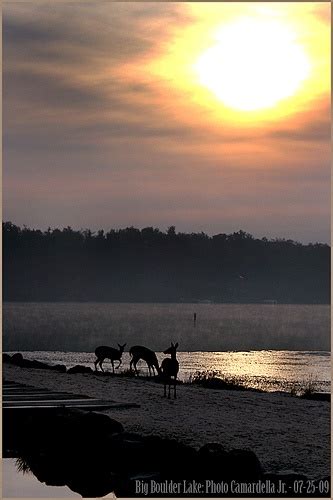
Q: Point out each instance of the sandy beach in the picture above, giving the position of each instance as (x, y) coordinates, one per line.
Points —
(287, 434)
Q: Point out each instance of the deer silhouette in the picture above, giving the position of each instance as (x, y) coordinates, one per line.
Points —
(104, 352)
(170, 368)
(138, 352)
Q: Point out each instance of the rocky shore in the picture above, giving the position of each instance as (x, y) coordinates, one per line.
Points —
(93, 455)
(234, 440)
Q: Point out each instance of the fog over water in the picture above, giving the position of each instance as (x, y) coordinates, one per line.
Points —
(218, 327)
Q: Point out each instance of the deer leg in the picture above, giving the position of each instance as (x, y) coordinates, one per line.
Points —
(100, 364)
(112, 363)
(169, 389)
(118, 365)
(133, 362)
(174, 389)
(96, 364)
(165, 389)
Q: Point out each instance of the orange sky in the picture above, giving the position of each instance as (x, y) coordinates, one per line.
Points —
(107, 124)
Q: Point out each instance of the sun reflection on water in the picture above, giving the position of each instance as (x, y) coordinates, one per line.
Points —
(267, 370)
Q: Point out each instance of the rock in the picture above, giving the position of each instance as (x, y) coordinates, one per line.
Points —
(179, 466)
(101, 424)
(323, 486)
(244, 464)
(35, 364)
(47, 468)
(58, 368)
(131, 454)
(212, 461)
(289, 479)
(28, 363)
(6, 358)
(17, 359)
(211, 450)
(70, 432)
(326, 478)
(127, 487)
(80, 369)
(82, 473)
(285, 476)
(93, 455)
(130, 436)
(92, 482)
(317, 396)
(125, 453)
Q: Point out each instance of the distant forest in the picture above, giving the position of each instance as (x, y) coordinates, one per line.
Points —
(148, 265)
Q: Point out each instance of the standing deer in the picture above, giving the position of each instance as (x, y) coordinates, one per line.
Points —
(170, 368)
(140, 352)
(102, 352)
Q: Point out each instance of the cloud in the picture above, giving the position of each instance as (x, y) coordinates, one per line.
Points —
(39, 88)
(319, 131)
(67, 66)
(90, 142)
(62, 66)
(111, 30)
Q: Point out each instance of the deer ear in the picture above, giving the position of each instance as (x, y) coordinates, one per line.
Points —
(172, 344)
(124, 344)
(176, 345)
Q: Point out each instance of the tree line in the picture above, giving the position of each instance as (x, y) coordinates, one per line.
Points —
(150, 265)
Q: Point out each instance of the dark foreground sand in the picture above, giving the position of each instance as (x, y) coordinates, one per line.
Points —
(287, 434)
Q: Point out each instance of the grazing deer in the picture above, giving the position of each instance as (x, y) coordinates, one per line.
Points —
(102, 352)
(140, 352)
(170, 368)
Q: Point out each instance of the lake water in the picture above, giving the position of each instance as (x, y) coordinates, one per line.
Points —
(19, 484)
(272, 347)
(219, 327)
(266, 370)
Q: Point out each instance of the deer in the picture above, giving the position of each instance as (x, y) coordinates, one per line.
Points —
(140, 352)
(170, 368)
(102, 352)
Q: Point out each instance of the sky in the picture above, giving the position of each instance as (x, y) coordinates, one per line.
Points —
(211, 117)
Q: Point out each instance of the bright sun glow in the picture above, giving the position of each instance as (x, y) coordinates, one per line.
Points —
(254, 64)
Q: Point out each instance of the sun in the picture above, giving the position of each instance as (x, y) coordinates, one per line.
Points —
(253, 65)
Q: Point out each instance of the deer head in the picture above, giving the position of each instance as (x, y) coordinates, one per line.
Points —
(121, 347)
(172, 349)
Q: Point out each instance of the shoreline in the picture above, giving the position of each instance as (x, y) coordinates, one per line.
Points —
(281, 430)
(198, 368)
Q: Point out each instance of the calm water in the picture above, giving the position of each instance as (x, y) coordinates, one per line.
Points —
(219, 327)
(268, 346)
(18, 484)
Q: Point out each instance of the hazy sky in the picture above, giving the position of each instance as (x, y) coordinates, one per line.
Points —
(110, 122)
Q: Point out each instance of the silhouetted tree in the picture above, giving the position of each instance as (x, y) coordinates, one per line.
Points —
(150, 265)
